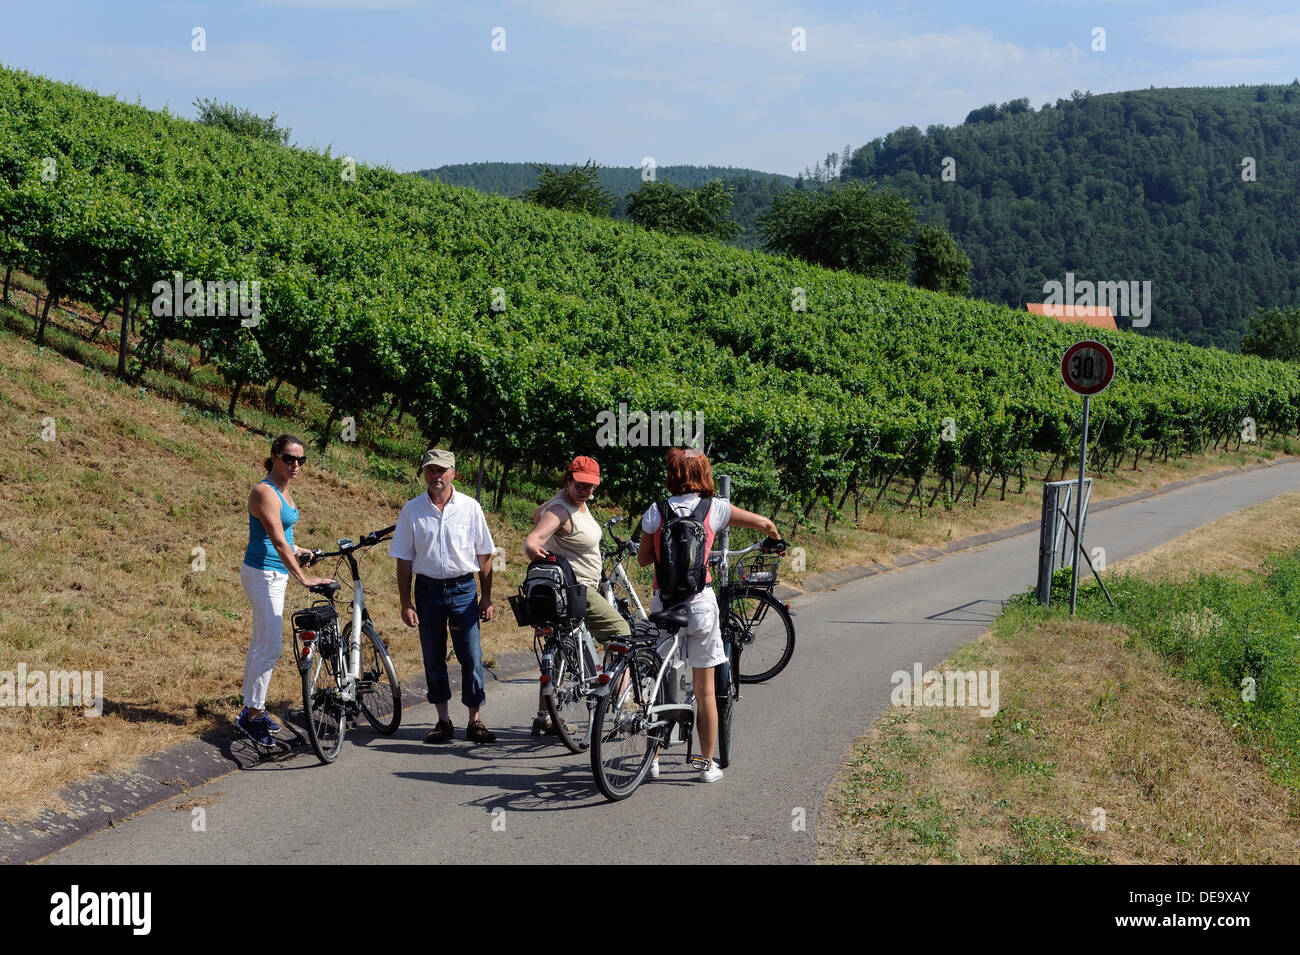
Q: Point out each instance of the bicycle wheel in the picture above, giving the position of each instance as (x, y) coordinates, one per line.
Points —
(622, 743)
(766, 635)
(726, 718)
(379, 693)
(570, 709)
(321, 701)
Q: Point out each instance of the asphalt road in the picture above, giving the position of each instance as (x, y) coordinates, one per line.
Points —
(397, 799)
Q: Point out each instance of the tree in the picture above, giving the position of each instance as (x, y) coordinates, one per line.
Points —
(668, 207)
(241, 122)
(832, 161)
(941, 265)
(577, 189)
(853, 226)
(1274, 333)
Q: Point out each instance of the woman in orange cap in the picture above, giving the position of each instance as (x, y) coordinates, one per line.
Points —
(564, 525)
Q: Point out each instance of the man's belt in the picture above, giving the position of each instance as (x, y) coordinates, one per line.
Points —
(445, 580)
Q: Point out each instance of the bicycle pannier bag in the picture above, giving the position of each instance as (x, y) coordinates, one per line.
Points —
(316, 617)
(550, 593)
(681, 567)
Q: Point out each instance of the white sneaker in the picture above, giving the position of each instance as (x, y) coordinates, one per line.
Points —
(710, 773)
(654, 768)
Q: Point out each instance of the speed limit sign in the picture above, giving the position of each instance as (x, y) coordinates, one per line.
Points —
(1087, 367)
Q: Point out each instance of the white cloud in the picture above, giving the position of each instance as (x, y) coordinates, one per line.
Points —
(1226, 30)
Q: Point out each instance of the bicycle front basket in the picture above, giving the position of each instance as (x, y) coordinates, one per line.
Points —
(759, 570)
(316, 617)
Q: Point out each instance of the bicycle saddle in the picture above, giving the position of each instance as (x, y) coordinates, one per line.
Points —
(672, 618)
(326, 590)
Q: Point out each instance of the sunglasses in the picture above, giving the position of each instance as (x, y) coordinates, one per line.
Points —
(291, 459)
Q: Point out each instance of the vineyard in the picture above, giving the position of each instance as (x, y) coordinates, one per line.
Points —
(505, 329)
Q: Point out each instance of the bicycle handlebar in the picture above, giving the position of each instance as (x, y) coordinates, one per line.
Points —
(630, 545)
(767, 544)
(367, 540)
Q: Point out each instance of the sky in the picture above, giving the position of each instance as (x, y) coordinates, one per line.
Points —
(416, 84)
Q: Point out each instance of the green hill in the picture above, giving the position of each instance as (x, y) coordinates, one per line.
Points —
(508, 329)
(1144, 185)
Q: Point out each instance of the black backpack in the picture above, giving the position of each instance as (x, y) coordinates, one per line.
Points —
(682, 565)
(550, 593)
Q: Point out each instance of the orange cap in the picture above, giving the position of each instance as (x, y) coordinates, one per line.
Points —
(585, 470)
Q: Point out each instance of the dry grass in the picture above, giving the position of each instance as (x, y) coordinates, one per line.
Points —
(97, 529)
(1086, 723)
(1240, 542)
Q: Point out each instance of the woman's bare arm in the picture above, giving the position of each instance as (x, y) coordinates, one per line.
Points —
(547, 523)
(743, 518)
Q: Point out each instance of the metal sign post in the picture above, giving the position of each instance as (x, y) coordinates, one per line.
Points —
(1078, 508)
(1087, 367)
(724, 492)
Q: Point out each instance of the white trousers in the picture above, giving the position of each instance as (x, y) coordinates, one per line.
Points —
(265, 590)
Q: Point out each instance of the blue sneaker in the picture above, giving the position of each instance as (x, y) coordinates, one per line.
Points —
(272, 726)
(256, 730)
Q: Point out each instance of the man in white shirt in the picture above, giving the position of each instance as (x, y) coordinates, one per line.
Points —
(442, 538)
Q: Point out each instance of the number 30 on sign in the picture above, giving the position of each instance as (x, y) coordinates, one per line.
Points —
(1087, 367)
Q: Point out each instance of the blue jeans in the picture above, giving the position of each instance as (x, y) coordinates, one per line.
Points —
(440, 604)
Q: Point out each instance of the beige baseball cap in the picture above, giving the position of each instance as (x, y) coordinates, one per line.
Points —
(438, 457)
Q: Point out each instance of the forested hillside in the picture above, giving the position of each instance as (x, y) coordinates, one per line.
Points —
(752, 196)
(1193, 190)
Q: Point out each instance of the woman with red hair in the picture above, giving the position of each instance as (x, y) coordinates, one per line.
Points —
(689, 481)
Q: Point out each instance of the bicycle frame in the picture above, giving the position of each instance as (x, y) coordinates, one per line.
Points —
(684, 707)
(619, 575)
(347, 550)
(359, 613)
(586, 678)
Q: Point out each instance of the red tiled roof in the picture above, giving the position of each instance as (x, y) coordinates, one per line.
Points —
(1098, 316)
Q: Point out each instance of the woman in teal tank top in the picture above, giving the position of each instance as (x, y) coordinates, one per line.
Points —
(269, 560)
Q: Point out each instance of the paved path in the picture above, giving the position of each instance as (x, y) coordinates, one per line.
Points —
(400, 800)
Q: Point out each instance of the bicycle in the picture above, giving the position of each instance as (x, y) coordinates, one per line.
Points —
(758, 625)
(646, 713)
(614, 576)
(747, 595)
(341, 676)
(566, 660)
(566, 655)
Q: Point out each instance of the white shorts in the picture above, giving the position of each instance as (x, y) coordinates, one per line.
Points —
(701, 640)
